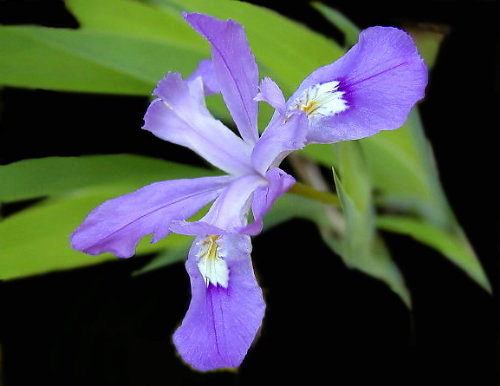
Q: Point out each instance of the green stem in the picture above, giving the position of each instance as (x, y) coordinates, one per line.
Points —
(303, 190)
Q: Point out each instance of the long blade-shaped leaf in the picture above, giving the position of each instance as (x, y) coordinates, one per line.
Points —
(40, 177)
(36, 240)
(359, 246)
(87, 60)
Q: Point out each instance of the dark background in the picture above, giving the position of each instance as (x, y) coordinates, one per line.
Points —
(324, 323)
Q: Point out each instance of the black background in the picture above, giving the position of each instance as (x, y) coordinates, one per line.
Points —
(324, 323)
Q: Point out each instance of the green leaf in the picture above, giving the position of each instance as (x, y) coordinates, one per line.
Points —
(454, 247)
(132, 18)
(359, 246)
(87, 60)
(40, 177)
(346, 26)
(411, 182)
(36, 240)
(428, 38)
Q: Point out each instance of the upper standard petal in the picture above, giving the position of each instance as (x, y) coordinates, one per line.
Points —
(179, 115)
(228, 213)
(235, 68)
(282, 136)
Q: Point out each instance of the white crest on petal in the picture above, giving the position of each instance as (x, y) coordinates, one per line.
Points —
(211, 264)
(321, 100)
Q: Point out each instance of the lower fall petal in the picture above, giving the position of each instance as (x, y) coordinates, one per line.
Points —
(227, 306)
(117, 225)
(371, 88)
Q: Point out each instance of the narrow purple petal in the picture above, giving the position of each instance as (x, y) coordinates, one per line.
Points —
(229, 211)
(222, 320)
(117, 225)
(379, 80)
(265, 196)
(235, 67)
(206, 71)
(281, 137)
(179, 115)
(270, 93)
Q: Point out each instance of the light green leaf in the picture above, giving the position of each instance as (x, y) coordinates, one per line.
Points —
(454, 247)
(132, 18)
(428, 38)
(87, 60)
(346, 26)
(402, 167)
(359, 246)
(40, 177)
(36, 240)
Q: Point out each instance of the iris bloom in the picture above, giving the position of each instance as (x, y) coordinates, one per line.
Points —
(371, 88)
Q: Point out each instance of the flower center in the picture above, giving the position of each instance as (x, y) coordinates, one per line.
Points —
(321, 100)
(212, 267)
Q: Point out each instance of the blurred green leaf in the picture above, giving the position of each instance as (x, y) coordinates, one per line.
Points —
(40, 177)
(359, 246)
(428, 38)
(132, 18)
(36, 240)
(87, 60)
(402, 166)
(339, 20)
(454, 247)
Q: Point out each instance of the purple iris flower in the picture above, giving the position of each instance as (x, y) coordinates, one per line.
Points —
(371, 88)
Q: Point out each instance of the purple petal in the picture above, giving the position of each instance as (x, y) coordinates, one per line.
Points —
(279, 139)
(221, 322)
(206, 71)
(380, 79)
(265, 196)
(229, 211)
(235, 67)
(117, 225)
(270, 93)
(180, 116)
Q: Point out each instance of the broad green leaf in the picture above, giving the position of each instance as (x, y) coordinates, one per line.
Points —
(132, 18)
(359, 247)
(40, 177)
(87, 60)
(288, 50)
(454, 247)
(346, 26)
(36, 240)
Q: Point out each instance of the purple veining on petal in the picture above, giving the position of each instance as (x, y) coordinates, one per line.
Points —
(221, 323)
(382, 77)
(179, 116)
(117, 225)
(235, 68)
